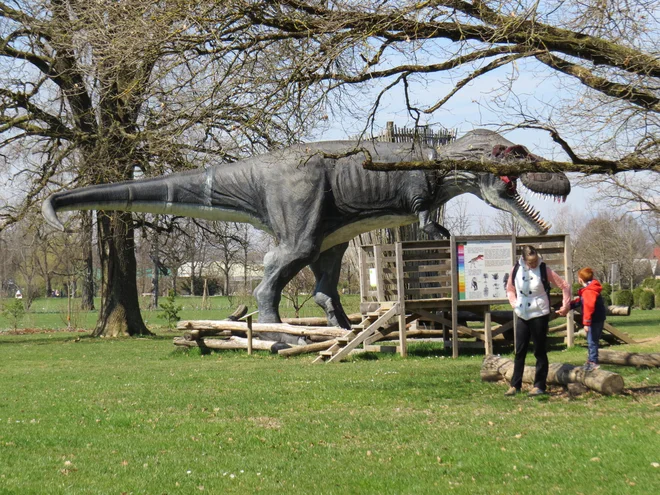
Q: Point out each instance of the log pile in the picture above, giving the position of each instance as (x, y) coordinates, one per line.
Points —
(203, 328)
(495, 368)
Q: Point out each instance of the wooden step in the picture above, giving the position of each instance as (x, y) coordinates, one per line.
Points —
(327, 353)
(343, 340)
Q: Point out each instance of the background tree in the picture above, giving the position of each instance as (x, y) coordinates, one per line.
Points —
(94, 92)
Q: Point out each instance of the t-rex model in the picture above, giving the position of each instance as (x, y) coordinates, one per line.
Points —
(314, 198)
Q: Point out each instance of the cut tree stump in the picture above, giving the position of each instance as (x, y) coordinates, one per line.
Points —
(495, 368)
(651, 360)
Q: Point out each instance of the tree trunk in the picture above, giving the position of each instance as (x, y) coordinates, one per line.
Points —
(629, 358)
(87, 302)
(120, 310)
(495, 368)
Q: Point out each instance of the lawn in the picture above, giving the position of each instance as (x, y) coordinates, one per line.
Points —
(85, 415)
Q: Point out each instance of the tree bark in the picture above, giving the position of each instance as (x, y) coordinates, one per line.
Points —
(120, 312)
(629, 358)
(495, 368)
(87, 301)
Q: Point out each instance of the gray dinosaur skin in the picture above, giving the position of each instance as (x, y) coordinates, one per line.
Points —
(313, 198)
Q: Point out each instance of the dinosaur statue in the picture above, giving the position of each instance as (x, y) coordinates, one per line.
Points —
(314, 198)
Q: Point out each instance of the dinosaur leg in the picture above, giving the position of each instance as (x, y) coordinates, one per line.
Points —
(326, 270)
(280, 266)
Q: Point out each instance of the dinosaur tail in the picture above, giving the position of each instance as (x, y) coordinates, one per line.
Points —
(182, 193)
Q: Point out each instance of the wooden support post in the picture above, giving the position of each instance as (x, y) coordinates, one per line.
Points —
(488, 330)
(568, 273)
(364, 275)
(378, 263)
(248, 320)
(454, 297)
(401, 289)
(249, 334)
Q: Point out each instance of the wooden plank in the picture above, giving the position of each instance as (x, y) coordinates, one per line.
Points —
(624, 337)
(364, 274)
(421, 256)
(454, 300)
(436, 244)
(428, 290)
(378, 260)
(536, 239)
(550, 250)
(488, 330)
(362, 336)
(401, 299)
(415, 278)
(442, 266)
(568, 276)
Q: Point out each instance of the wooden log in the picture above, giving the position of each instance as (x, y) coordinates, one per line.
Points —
(198, 334)
(230, 343)
(261, 327)
(495, 368)
(304, 349)
(618, 310)
(652, 359)
(318, 321)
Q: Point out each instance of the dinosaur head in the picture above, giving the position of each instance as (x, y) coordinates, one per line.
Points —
(508, 193)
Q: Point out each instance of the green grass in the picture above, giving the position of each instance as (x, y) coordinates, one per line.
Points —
(51, 313)
(84, 415)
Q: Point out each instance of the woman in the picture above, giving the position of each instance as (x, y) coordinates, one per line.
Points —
(528, 290)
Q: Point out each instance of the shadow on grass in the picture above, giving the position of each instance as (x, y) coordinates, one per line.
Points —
(648, 390)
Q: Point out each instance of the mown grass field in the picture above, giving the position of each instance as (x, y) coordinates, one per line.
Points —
(84, 415)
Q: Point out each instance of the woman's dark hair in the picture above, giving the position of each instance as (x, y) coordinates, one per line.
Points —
(529, 252)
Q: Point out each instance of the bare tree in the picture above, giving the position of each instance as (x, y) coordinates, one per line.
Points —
(92, 92)
(608, 239)
(604, 55)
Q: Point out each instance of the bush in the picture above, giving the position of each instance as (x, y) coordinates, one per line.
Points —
(170, 310)
(607, 299)
(575, 288)
(648, 283)
(637, 293)
(623, 298)
(647, 300)
(656, 292)
(14, 311)
(607, 289)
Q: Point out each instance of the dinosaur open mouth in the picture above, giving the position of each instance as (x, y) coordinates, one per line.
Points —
(515, 187)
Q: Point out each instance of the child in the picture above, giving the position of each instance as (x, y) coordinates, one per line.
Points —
(593, 313)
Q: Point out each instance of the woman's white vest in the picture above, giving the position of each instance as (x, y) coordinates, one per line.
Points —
(531, 298)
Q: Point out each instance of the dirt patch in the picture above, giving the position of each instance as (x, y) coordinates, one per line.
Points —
(267, 422)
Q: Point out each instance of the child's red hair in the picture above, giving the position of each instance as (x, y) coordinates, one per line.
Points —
(586, 274)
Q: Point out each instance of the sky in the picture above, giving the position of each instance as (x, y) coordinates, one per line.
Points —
(471, 108)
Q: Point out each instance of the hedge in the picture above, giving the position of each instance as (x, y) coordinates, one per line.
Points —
(647, 300)
(623, 298)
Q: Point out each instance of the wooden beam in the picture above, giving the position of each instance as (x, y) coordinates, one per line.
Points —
(401, 289)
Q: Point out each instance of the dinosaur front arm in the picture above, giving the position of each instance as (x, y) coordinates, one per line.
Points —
(433, 229)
